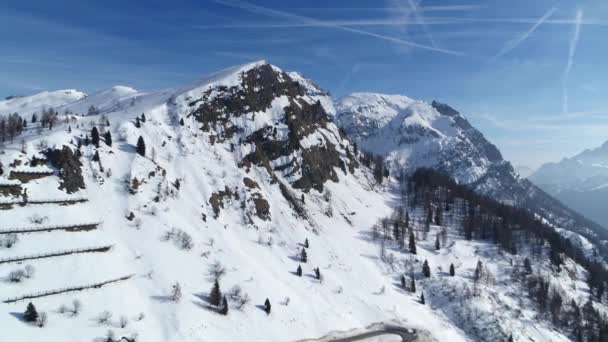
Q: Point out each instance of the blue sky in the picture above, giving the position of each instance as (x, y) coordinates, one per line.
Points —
(530, 74)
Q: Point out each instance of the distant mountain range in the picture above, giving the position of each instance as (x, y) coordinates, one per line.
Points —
(581, 182)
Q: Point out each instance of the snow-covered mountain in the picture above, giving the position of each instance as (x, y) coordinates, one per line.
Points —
(231, 178)
(28, 105)
(411, 134)
(581, 182)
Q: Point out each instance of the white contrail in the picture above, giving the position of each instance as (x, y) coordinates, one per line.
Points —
(420, 19)
(571, 53)
(315, 22)
(512, 44)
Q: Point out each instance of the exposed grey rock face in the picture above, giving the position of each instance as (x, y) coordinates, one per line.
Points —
(302, 143)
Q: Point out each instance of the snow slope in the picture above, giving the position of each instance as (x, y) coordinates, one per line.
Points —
(27, 105)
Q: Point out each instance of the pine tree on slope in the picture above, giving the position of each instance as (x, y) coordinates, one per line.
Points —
(215, 297)
(141, 147)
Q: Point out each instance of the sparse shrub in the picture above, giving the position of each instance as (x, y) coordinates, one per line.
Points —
(104, 317)
(76, 307)
(62, 309)
(9, 241)
(16, 276)
(176, 292)
(243, 301)
(123, 321)
(42, 319)
(29, 271)
(110, 336)
(216, 270)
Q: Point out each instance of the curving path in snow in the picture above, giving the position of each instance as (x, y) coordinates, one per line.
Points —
(406, 334)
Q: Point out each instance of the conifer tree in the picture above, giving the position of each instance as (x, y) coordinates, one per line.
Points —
(317, 273)
(141, 146)
(224, 306)
(412, 244)
(143, 117)
(478, 270)
(96, 156)
(396, 231)
(86, 140)
(30, 315)
(422, 299)
(95, 136)
(181, 121)
(137, 122)
(303, 256)
(412, 284)
(267, 306)
(510, 338)
(437, 245)
(426, 270)
(299, 271)
(306, 245)
(215, 297)
(452, 271)
(403, 281)
(107, 137)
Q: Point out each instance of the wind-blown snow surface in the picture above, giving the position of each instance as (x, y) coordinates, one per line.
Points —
(259, 255)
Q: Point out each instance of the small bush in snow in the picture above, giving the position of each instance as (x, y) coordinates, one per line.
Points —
(176, 292)
(37, 219)
(110, 336)
(16, 276)
(104, 317)
(285, 301)
(123, 321)
(140, 317)
(216, 270)
(9, 240)
(235, 292)
(42, 319)
(241, 301)
(62, 309)
(76, 307)
(180, 238)
(29, 271)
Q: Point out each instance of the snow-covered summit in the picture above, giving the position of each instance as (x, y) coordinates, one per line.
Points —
(413, 134)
